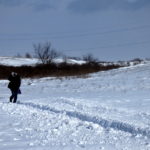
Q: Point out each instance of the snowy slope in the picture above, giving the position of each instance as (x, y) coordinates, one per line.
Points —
(104, 111)
(14, 61)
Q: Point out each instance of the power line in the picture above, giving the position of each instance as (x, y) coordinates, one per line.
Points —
(46, 36)
(114, 46)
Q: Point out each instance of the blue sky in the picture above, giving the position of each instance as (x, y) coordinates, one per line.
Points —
(109, 29)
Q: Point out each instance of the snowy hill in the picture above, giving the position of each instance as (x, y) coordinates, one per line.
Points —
(14, 61)
(105, 111)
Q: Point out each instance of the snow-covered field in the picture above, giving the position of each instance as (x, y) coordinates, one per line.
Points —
(103, 111)
(15, 61)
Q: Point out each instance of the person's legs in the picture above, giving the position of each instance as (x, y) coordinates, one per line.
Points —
(13, 96)
(10, 99)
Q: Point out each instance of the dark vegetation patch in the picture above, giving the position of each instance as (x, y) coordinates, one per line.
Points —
(55, 70)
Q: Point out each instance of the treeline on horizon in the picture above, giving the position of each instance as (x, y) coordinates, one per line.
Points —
(47, 67)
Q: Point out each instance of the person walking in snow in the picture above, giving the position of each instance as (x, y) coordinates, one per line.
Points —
(14, 86)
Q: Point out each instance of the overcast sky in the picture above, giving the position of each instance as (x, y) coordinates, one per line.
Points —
(111, 30)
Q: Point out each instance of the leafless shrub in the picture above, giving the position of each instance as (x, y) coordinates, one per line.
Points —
(27, 55)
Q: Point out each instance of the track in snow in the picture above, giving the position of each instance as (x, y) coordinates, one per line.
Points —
(117, 125)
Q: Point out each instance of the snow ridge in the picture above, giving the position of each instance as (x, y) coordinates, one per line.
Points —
(117, 125)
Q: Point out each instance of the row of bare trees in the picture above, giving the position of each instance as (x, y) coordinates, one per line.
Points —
(46, 54)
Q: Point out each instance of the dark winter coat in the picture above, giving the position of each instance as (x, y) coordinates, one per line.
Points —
(15, 82)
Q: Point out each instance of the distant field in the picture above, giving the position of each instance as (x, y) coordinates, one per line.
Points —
(31, 67)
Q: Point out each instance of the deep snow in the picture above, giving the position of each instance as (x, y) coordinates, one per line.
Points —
(102, 111)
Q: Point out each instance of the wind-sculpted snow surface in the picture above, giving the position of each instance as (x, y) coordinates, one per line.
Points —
(94, 119)
(47, 125)
(104, 111)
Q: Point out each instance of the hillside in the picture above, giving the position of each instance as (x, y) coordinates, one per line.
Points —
(104, 111)
(33, 68)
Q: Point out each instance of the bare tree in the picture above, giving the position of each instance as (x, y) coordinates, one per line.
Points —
(89, 58)
(45, 52)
